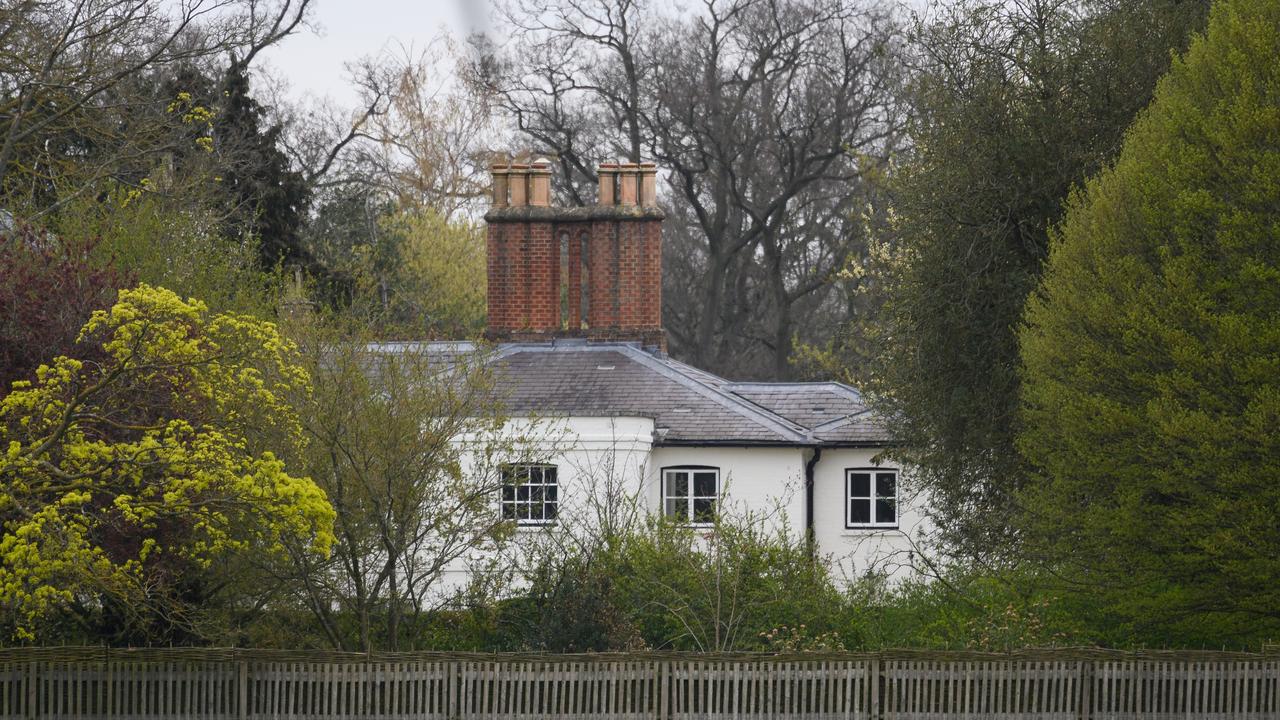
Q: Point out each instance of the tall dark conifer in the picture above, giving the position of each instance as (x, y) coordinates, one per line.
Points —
(269, 198)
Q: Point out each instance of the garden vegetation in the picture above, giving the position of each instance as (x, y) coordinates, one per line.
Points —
(1042, 236)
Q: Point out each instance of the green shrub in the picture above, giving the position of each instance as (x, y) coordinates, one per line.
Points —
(736, 586)
(177, 245)
(967, 612)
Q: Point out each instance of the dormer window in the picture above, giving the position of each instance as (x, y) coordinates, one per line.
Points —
(871, 498)
(691, 494)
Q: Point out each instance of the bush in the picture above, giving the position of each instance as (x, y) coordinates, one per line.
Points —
(140, 493)
(177, 245)
(971, 612)
(49, 286)
(735, 586)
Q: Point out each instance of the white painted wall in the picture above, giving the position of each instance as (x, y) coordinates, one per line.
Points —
(601, 467)
(857, 552)
(609, 470)
(762, 481)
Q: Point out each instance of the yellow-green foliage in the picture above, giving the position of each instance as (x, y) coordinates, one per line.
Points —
(442, 271)
(120, 474)
(1151, 395)
(178, 243)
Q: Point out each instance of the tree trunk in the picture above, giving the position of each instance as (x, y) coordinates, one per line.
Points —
(393, 610)
(782, 330)
(712, 297)
(11, 139)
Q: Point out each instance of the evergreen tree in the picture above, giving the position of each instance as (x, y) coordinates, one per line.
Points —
(1151, 393)
(269, 197)
(1015, 103)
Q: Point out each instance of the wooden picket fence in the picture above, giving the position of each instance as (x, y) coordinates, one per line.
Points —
(899, 685)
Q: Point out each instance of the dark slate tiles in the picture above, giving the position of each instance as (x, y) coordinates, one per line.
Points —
(688, 405)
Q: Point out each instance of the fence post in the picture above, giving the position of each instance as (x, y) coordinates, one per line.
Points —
(31, 689)
(242, 686)
(873, 683)
(667, 678)
(109, 672)
(1086, 689)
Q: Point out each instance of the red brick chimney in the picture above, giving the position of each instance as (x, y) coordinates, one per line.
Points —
(592, 272)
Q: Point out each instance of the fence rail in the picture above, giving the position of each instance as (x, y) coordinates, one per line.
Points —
(218, 683)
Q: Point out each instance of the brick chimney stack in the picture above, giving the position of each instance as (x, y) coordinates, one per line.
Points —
(592, 272)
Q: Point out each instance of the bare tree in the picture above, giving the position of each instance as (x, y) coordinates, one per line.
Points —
(574, 80)
(765, 113)
(430, 149)
(397, 182)
(418, 141)
(408, 444)
(71, 73)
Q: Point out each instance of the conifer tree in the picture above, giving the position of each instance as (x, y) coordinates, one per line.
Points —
(270, 198)
(1151, 356)
(1014, 104)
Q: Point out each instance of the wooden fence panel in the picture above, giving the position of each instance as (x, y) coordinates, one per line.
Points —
(1246, 689)
(240, 684)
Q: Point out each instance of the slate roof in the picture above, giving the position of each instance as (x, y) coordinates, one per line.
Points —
(688, 405)
(833, 412)
(808, 404)
(444, 352)
(865, 428)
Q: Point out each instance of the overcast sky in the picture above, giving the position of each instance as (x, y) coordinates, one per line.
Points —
(311, 61)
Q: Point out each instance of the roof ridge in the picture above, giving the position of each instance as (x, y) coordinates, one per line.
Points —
(729, 400)
(832, 424)
(393, 344)
(777, 383)
(833, 385)
(850, 390)
(693, 369)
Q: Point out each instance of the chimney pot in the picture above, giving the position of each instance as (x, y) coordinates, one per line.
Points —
(608, 174)
(499, 174)
(648, 184)
(519, 184)
(628, 176)
(540, 183)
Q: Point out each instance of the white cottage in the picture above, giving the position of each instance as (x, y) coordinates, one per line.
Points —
(575, 311)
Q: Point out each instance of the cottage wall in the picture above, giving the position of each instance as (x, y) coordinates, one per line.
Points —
(854, 552)
(766, 482)
(609, 471)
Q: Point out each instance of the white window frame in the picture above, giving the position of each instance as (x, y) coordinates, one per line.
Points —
(850, 498)
(687, 518)
(515, 503)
